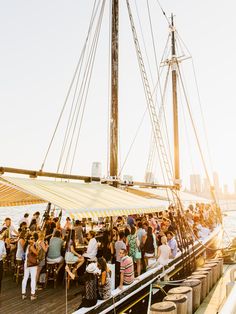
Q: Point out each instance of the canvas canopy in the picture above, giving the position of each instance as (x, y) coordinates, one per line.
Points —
(152, 193)
(81, 200)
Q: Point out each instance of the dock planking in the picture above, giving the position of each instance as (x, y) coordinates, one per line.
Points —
(48, 300)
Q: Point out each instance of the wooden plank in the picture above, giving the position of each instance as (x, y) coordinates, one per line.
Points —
(49, 300)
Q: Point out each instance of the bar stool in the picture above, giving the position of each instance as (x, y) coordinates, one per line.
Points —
(67, 277)
(51, 273)
(19, 270)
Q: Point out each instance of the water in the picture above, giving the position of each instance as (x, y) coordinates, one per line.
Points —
(229, 218)
(16, 213)
(230, 223)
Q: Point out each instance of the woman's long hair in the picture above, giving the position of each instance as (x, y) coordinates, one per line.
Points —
(149, 232)
(102, 264)
(35, 235)
(70, 237)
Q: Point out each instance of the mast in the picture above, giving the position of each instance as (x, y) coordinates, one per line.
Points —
(114, 91)
(175, 106)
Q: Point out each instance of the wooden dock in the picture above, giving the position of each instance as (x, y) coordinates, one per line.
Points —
(48, 300)
(216, 298)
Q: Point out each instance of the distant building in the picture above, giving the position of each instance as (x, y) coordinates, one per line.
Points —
(226, 191)
(195, 183)
(216, 182)
(149, 177)
(206, 186)
(96, 170)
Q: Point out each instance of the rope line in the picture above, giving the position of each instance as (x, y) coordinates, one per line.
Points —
(81, 100)
(86, 94)
(68, 93)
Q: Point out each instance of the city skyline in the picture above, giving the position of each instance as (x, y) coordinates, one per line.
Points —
(199, 184)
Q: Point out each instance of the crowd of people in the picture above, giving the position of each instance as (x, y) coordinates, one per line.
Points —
(134, 244)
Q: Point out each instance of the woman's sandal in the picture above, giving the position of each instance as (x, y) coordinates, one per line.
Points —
(33, 297)
(70, 273)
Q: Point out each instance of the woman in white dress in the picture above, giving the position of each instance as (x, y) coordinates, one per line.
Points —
(164, 252)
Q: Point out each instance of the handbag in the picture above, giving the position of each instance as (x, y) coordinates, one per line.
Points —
(32, 259)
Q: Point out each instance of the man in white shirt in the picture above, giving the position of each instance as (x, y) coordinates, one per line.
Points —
(92, 248)
(11, 231)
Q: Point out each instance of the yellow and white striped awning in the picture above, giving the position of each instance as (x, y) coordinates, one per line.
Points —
(81, 200)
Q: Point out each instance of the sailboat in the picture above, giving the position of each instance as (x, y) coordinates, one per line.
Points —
(110, 195)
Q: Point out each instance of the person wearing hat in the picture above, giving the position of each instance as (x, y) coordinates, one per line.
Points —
(91, 285)
(3, 254)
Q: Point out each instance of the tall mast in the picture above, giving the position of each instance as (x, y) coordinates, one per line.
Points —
(175, 105)
(114, 91)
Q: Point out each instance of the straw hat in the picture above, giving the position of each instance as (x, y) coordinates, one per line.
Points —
(92, 268)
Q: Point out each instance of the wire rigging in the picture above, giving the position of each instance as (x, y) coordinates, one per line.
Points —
(163, 12)
(152, 154)
(200, 103)
(158, 72)
(144, 43)
(195, 131)
(89, 80)
(70, 88)
(151, 107)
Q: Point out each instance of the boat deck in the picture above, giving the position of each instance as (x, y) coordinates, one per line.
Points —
(216, 298)
(49, 300)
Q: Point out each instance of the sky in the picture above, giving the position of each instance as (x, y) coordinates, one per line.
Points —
(41, 42)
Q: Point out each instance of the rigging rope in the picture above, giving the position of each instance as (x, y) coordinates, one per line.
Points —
(151, 107)
(83, 92)
(158, 2)
(158, 74)
(144, 43)
(184, 120)
(132, 143)
(199, 101)
(186, 133)
(70, 120)
(86, 94)
(195, 132)
(67, 95)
